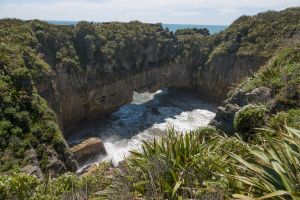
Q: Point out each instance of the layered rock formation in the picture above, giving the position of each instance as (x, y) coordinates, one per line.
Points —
(88, 150)
(88, 70)
(85, 97)
(220, 74)
(227, 110)
(275, 86)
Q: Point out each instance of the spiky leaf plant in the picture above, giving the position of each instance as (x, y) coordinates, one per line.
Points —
(274, 172)
(182, 165)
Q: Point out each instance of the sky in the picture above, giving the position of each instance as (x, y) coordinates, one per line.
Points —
(216, 12)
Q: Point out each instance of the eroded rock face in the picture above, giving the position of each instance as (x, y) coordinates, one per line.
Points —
(225, 115)
(88, 150)
(85, 96)
(218, 75)
(33, 170)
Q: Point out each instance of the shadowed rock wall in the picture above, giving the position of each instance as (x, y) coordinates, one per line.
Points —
(84, 97)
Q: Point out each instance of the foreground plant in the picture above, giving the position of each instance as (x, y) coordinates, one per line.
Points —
(181, 166)
(274, 173)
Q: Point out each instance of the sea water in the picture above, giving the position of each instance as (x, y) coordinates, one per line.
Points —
(148, 116)
(172, 27)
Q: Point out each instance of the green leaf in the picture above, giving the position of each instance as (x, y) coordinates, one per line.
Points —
(177, 185)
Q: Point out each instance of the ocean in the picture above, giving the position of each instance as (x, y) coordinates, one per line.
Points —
(172, 27)
(148, 116)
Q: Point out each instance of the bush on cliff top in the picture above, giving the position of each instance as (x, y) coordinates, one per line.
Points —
(259, 35)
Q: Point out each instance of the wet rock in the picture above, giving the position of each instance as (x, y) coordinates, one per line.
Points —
(155, 111)
(88, 150)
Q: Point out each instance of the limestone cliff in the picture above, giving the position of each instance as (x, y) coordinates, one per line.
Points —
(219, 75)
(88, 70)
(275, 86)
(86, 97)
(96, 68)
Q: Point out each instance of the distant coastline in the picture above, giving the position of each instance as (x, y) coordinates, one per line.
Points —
(172, 27)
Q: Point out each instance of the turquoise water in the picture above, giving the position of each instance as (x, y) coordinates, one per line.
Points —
(212, 28)
(172, 27)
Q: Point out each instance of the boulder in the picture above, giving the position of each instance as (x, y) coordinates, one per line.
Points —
(224, 118)
(33, 170)
(88, 150)
(155, 111)
(238, 98)
(225, 115)
(31, 157)
(259, 95)
(55, 167)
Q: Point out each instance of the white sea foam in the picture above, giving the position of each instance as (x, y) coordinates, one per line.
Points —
(149, 116)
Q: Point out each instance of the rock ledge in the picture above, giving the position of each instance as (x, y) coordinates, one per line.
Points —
(88, 150)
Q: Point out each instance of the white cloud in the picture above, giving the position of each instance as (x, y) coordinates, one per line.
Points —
(167, 11)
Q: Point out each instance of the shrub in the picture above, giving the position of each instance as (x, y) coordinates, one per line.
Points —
(281, 75)
(18, 186)
(5, 126)
(22, 78)
(67, 186)
(16, 131)
(248, 118)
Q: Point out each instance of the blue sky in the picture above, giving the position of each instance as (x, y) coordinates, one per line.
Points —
(165, 11)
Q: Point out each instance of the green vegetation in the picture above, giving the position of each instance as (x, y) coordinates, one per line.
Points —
(281, 75)
(291, 118)
(249, 118)
(67, 186)
(199, 164)
(182, 166)
(30, 54)
(204, 164)
(259, 35)
(273, 172)
(26, 121)
(194, 46)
